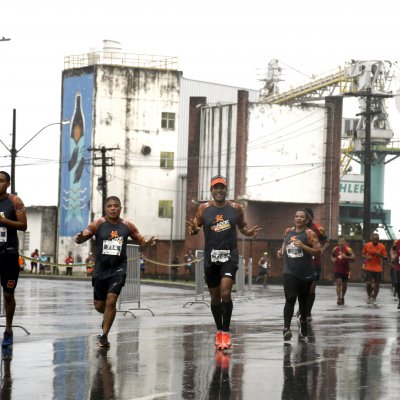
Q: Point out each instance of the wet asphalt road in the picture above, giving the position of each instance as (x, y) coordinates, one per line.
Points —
(353, 351)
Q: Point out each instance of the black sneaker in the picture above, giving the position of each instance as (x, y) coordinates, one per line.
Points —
(103, 341)
(287, 334)
(7, 339)
(303, 330)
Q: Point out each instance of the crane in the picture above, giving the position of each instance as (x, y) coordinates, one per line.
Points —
(360, 78)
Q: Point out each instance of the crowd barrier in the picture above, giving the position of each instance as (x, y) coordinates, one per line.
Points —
(130, 294)
(199, 280)
(240, 281)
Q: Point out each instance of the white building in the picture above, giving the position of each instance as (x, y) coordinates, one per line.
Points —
(129, 122)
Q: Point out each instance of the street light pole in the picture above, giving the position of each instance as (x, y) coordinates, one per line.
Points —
(14, 152)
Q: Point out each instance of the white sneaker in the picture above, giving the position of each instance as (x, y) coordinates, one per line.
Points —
(373, 302)
(368, 300)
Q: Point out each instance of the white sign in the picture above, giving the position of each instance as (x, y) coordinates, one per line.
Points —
(352, 189)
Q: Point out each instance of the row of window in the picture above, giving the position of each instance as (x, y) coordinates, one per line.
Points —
(166, 161)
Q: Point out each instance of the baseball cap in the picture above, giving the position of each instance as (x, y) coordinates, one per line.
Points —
(218, 179)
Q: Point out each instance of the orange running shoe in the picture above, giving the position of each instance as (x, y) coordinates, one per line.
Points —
(226, 341)
(218, 339)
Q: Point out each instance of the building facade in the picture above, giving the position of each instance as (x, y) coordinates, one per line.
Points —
(128, 137)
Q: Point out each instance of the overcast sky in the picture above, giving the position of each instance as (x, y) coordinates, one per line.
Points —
(223, 41)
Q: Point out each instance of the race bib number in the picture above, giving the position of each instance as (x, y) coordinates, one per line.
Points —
(293, 252)
(112, 247)
(3, 234)
(220, 256)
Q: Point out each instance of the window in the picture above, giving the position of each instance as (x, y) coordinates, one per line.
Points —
(168, 120)
(165, 208)
(167, 159)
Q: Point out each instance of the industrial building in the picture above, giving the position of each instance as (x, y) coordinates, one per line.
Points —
(143, 132)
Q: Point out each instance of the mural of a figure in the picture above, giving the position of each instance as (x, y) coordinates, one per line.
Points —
(76, 166)
(77, 133)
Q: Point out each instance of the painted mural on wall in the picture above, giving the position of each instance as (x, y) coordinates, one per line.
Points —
(76, 159)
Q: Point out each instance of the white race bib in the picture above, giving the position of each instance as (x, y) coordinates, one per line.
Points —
(112, 247)
(3, 234)
(220, 256)
(294, 252)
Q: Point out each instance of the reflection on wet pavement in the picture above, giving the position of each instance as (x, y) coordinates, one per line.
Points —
(353, 351)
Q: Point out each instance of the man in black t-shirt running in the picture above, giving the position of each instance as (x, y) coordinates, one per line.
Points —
(219, 219)
(12, 219)
(109, 274)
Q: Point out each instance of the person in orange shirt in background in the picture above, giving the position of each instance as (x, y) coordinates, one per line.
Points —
(373, 252)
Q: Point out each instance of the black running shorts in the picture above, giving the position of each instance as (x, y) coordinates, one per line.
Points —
(9, 271)
(373, 276)
(112, 284)
(214, 273)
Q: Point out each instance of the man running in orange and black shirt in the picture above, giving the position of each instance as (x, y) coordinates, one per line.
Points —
(109, 275)
(374, 252)
(319, 230)
(219, 219)
(12, 219)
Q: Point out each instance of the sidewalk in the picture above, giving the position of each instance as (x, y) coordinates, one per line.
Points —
(353, 350)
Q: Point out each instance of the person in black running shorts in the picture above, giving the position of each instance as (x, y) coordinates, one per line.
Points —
(109, 274)
(299, 245)
(12, 219)
(219, 219)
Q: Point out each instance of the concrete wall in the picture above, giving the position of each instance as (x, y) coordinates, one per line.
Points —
(42, 223)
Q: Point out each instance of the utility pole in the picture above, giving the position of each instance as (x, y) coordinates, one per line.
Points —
(367, 158)
(105, 162)
(13, 151)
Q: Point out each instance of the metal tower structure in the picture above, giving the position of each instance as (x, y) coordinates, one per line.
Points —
(368, 141)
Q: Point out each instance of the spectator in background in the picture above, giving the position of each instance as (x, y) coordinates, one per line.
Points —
(35, 255)
(142, 265)
(42, 266)
(69, 261)
(89, 264)
(21, 263)
(188, 258)
(174, 268)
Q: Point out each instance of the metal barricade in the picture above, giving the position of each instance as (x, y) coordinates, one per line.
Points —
(199, 280)
(250, 274)
(131, 291)
(4, 315)
(240, 280)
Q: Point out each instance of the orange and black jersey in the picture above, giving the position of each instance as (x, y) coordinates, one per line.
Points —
(297, 261)
(220, 228)
(111, 240)
(11, 206)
